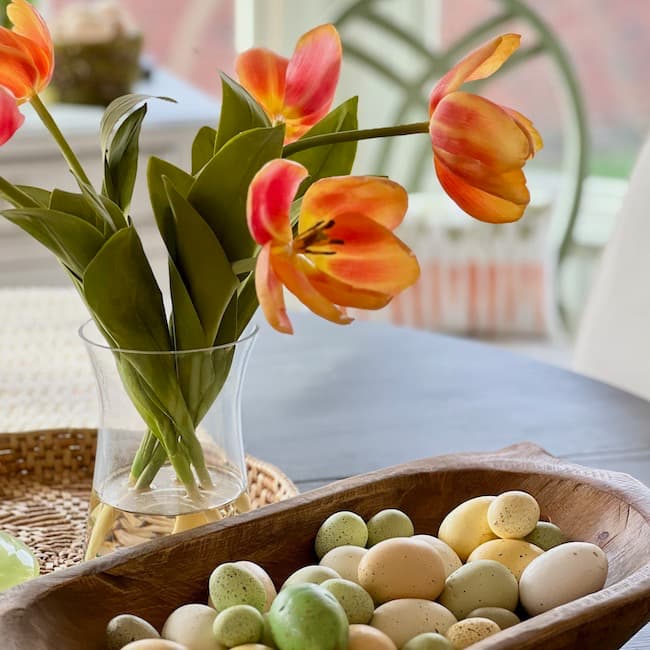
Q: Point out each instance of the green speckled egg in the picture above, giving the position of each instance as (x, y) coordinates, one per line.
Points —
(546, 535)
(313, 573)
(340, 529)
(387, 524)
(354, 599)
(504, 618)
(231, 585)
(126, 628)
(238, 625)
(17, 562)
(429, 641)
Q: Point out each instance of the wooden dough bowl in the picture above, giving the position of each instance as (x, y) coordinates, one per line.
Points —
(70, 608)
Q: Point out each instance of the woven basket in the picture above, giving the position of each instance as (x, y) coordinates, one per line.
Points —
(45, 483)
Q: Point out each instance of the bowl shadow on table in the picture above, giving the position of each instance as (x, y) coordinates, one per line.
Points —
(71, 608)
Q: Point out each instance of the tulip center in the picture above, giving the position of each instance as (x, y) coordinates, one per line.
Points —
(316, 240)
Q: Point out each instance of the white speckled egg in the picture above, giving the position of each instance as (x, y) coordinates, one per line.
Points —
(126, 628)
(364, 637)
(405, 618)
(470, 631)
(313, 573)
(514, 554)
(448, 555)
(345, 561)
(191, 626)
(232, 584)
(387, 524)
(504, 618)
(341, 529)
(564, 573)
(513, 515)
(355, 600)
(238, 625)
(466, 526)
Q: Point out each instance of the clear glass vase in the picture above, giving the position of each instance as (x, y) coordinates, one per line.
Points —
(170, 453)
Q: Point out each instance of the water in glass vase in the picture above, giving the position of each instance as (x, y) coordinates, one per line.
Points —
(121, 516)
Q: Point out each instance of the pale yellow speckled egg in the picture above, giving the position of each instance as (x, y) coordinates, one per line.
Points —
(466, 526)
(191, 626)
(513, 515)
(345, 561)
(154, 644)
(470, 631)
(449, 557)
(514, 554)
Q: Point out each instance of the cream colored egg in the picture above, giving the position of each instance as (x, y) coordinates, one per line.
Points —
(513, 515)
(564, 573)
(345, 561)
(514, 554)
(482, 583)
(504, 618)
(365, 637)
(470, 631)
(405, 618)
(264, 577)
(191, 626)
(449, 557)
(154, 644)
(466, 526)
(402, 567)
(428, 641)
(312, 573)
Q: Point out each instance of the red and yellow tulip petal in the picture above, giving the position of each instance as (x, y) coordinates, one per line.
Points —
(10, 117)
(289, 270)
(526, 125)
(474, 127)
(270, 293)
(479, 204)
(478, 64)
(344, 294)
(510, 185)
(312, 74)
(270, 195)
(17, 72)
(379, 199)
(369, 257)
(263, 74)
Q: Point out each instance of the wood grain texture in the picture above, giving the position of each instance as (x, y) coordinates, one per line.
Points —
(70, 609)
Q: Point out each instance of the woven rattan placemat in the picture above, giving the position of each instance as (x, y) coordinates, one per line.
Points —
(45, 483)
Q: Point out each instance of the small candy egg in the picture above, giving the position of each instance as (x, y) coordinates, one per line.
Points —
(154, 644)
(258, 571)
(191, 626)
(504, 618)
(466, 526)
(513, 515)
(364, 637)
(231, 584)
(470, 631)
(345, 561)
(238, 625)
(405, 618)
(354, 599)
(313, 573)
(126, 628)
(514, 554)
(387, 524)
(341, 529)
(564, 573)
(448, 555)
(402, 567)
(428, 641)
(483, 583)
(546, 535)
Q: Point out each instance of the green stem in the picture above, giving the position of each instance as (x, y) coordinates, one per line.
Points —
(156, 460)
(51, 126)
(143, 455)
(353, 136)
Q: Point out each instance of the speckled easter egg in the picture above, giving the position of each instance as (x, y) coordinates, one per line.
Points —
(341, 529)
(513, 515)
(355, 600)
(154, 644)
(470, 631)
(238, 625)
(387, 524)
(449, 557)
(126, 628)
(428, 641)
(231, 584)
(504, 618)
(191, 626)
(514, 554)
(264, 577)
(546, 535)
(314, 574)
(466, 526)
(345, 561)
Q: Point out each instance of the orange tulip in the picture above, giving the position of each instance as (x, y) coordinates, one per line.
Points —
(26, 52)
(479, 147)
(344, 255)
(299, 91)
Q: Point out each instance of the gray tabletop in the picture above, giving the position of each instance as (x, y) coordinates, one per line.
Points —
(335, 401)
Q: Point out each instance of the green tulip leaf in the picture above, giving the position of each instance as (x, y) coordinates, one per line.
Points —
(330, 159)
(106, 211)
(73, 203)
(18, 195)
(203, 148)
(220, 189)
(239, 112)
(41, 196)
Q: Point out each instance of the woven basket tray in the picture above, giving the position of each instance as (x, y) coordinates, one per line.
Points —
(45, 483)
